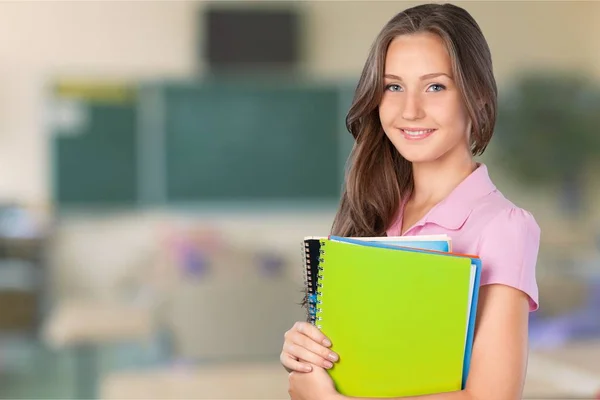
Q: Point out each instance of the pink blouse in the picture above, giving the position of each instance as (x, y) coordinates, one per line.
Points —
(481, 221)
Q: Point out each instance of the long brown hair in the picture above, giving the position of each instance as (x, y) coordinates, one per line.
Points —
(378, 177)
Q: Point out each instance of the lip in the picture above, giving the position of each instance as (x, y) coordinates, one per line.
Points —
(416, 133)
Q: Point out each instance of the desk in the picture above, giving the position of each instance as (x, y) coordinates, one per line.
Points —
(571, 371)
(22, 284)
(226, 381)
(86, 325)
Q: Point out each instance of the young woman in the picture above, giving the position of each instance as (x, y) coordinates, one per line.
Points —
(425, 105)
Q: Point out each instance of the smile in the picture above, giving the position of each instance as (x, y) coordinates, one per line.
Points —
(416, 134)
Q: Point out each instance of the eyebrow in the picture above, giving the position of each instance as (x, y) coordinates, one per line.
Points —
(427, 76)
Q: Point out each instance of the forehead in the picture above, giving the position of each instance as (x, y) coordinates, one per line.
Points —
(417, 54)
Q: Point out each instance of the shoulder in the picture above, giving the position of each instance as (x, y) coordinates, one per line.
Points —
(501, 218)
(498, 211)
(508, 245)
(498, 218)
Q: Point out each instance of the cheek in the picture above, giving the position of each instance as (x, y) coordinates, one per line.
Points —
(442, 111)
(450, 115)
(387, 113)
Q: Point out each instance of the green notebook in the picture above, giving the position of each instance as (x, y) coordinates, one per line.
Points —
(398, 319)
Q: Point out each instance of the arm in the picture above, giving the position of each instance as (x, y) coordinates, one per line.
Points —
(499, 360)
(498, 363)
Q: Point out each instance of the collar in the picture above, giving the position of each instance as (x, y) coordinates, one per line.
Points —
(453, 211)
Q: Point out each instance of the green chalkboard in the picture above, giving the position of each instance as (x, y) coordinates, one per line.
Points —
(199, 141)
(95, 155)
(246, 141)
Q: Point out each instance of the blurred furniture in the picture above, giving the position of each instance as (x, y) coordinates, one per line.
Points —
(22, 272)
(568, 371)
(228, 301)
(85, 326)
(238, 320)
(214, 381)
(573, 294)
(20, 297)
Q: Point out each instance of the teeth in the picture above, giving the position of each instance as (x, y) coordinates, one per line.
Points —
(417, 133)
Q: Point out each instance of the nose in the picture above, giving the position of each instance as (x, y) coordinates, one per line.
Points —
(412, 108)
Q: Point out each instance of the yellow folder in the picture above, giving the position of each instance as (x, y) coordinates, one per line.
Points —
(398, 319)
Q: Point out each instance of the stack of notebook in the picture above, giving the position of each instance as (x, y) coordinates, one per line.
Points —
(400, 312)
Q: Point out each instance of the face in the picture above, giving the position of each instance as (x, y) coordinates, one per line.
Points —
(422, 111)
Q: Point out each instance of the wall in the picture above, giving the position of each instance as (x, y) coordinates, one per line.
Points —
(40, 39)
(520, 34)
(150, 39)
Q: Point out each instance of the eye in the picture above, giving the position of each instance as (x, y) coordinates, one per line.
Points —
(393, 88)
(436, 88)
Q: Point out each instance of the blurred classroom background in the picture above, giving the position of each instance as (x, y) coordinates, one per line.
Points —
(161, 162)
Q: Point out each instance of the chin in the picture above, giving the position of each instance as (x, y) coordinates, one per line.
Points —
(418, 157)
(420, 151)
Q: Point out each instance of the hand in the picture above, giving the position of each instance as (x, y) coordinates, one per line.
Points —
(305, 344)
(314, 385)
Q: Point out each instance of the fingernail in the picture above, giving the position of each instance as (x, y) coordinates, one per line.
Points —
(326, 342)
(333, 356)
(307, 368)
(328, 364)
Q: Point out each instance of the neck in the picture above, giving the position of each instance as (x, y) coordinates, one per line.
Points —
(433, 181)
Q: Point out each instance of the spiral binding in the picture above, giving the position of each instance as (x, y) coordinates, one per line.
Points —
(319, 285)
(311, 297)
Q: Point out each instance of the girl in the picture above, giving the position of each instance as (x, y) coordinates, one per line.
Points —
(425, 105)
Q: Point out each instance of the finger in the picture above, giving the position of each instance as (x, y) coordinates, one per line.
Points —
(323, 352)
(312, 332)
(321, 355)
(292, 363)
(303, 354)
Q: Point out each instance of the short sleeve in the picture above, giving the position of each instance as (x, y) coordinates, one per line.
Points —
(508, 249)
